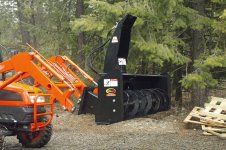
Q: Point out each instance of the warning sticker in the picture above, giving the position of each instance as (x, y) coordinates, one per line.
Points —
(114, 39)
(110, 82)
(122, 61)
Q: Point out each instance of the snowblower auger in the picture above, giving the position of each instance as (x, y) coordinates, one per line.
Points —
(121, 95)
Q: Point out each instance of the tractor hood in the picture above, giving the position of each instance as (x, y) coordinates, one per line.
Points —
(24, 87)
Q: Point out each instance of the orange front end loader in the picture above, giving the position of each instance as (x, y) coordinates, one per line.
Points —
(22, 107)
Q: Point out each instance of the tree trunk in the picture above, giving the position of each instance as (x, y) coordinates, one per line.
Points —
(79, 54)
(198, 95)
(34, 39)
(178, 86)
(25, 36)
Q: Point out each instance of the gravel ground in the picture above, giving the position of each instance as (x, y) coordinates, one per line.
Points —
(162, 131)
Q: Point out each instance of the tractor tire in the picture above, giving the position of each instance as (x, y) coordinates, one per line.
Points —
(35, 139)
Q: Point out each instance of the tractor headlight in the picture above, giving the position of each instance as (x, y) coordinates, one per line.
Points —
(40, 99)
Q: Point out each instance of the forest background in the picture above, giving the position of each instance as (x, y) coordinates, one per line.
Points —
(185, 38)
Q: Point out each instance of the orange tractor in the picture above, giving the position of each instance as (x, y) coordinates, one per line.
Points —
(117, 96)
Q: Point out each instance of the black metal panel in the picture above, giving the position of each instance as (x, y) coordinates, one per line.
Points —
(119, 44)
(88, 102)
(138, 82)
(18, 114)
(110, 103)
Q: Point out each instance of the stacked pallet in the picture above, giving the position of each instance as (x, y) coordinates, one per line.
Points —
(212, 117)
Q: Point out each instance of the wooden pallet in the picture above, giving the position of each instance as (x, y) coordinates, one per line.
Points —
(215, 129)
(212, 118)
(216, 108)
(198, 117)
(220, 132)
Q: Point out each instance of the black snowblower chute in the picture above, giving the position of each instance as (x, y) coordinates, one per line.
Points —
(122, 95)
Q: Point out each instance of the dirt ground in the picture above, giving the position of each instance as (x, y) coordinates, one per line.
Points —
(161, 131)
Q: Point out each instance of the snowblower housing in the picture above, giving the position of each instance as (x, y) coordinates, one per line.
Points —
(122, 95)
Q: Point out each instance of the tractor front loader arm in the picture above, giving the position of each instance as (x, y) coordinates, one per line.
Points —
(63, 60)
(73, 71)
(65, 70)
(26, 64)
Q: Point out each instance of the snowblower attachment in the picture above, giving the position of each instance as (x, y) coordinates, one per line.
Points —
(121, 95)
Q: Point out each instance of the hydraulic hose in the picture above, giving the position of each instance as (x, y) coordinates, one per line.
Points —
(93, 55)
(96, 51)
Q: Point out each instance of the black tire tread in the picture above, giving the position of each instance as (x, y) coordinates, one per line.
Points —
(46, 134)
